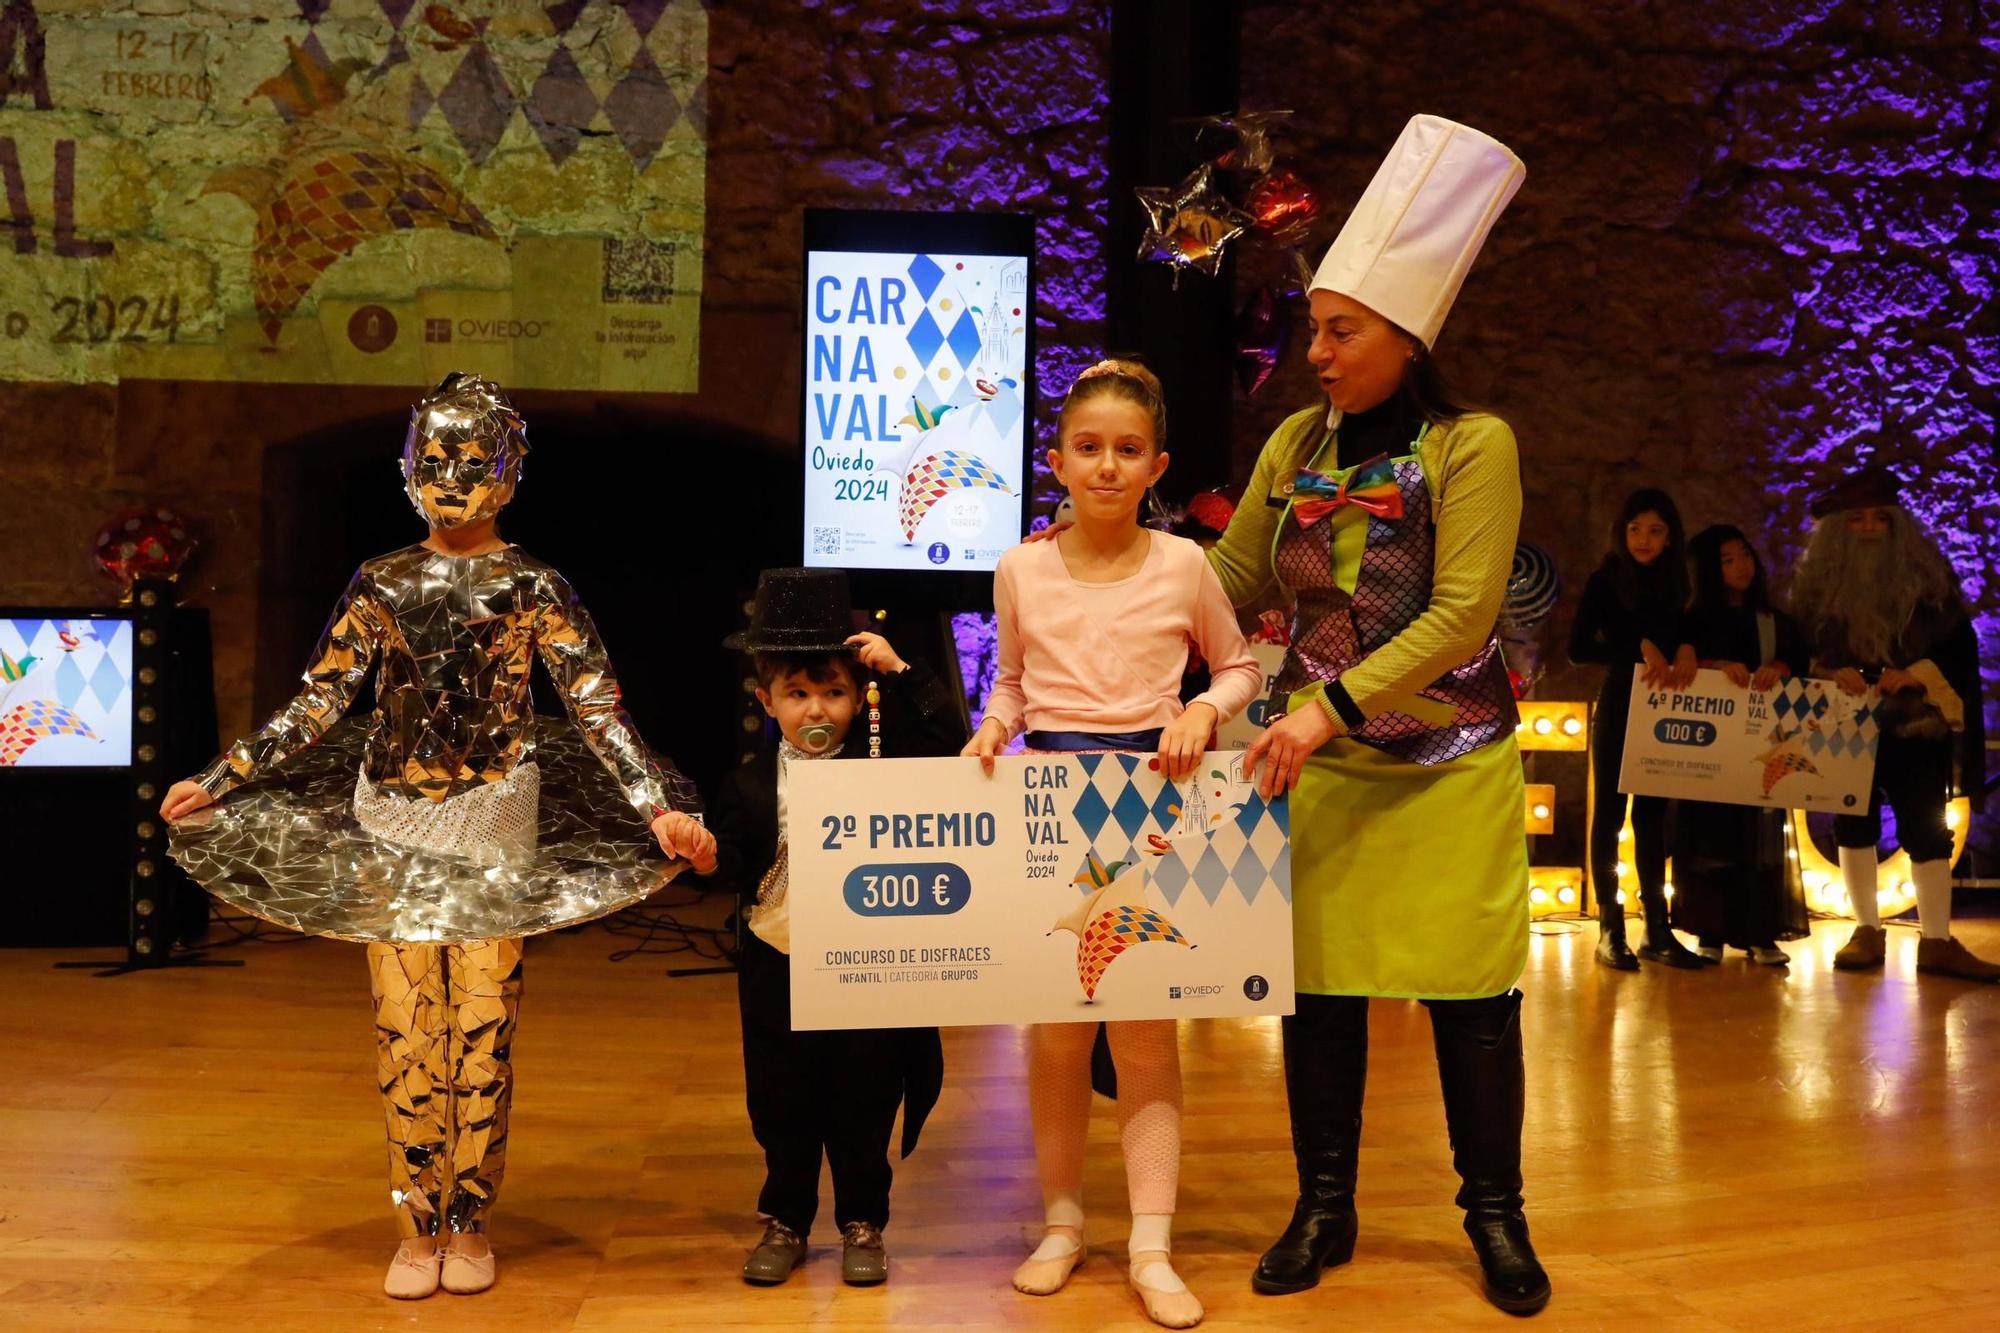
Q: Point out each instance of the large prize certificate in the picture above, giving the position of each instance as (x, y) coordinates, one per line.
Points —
(1064, 888)
(1804, 744)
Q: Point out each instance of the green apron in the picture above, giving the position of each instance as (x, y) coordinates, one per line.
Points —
(1408, 879)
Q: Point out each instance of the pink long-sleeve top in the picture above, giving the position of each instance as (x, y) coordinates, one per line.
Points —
(1108, 657)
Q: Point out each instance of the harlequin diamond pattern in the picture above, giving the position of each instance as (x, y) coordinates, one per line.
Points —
(1807, 704)
(482, 94)
(1217, 830)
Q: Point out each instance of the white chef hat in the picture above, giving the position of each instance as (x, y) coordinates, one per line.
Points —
(1405, 249)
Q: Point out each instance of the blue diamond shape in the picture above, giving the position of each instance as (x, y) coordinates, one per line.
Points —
(107, 682)
(1170, 876)
(965, 338)
(1819, 706)
(1166, 806)
(1090, 812)
(924, 271)
(1248, 813)
(1210, 874)
(1003, 410)
(1249, 873)
(69, 681)
(1281, 814)
(1816, 742)
(1130, 811)
(925, 339)
(1281, 872)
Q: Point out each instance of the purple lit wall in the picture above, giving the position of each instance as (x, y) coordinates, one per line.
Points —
(1754, 238)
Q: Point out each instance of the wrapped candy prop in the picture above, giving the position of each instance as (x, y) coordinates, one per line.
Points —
(1533, 588)
(1191, 225)
(1282, 206)
(1262, 334)
(1213, 508)
(142, 542)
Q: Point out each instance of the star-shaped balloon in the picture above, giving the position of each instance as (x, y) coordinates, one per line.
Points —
(1190, 225)
(1238, 141)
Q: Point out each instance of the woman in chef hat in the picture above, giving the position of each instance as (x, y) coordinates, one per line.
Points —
(1390, 516)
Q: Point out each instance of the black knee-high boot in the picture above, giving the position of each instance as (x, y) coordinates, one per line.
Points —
(1326, 1067)
(1480, 1069)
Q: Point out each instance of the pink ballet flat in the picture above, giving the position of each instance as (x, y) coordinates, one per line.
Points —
(413, 1273)
(467, 1274)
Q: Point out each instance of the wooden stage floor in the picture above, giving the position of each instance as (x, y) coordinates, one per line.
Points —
(1742, 1148)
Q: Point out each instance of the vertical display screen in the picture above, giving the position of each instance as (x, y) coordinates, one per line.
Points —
(916, 407)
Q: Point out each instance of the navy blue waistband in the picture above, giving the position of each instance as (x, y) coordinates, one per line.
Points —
(1068, 742)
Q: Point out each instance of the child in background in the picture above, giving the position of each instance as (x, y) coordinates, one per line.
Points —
(1630, 620)
(1731, 875)
(820, 1093)
(1094, 629)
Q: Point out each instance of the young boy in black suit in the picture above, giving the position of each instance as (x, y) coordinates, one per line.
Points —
(810, 1093)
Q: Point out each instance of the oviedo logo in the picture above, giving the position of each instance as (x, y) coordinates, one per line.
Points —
(371, 328)
(482, 330)
(501, 330)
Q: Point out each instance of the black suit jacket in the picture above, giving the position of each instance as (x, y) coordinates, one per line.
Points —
(920, 719)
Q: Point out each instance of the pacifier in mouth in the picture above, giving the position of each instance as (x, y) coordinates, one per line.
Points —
(816, 737)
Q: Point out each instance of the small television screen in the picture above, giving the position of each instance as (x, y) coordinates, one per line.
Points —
(65, 690)
(918, 356)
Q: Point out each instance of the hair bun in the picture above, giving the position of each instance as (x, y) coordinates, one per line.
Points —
(1127, 369)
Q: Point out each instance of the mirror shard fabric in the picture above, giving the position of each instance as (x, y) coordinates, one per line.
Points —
(287, 849)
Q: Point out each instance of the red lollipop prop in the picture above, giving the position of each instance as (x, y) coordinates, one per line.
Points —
(142, 542)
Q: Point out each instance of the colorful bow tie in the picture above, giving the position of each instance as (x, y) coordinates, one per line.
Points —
(1371, 487)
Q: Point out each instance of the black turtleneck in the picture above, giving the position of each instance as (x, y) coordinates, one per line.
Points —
(1386, 428)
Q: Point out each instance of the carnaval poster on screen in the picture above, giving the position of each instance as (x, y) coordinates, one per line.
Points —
(916, 384)
(65, 693)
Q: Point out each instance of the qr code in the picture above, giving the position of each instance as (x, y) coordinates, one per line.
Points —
(638, 270)
(826, 541)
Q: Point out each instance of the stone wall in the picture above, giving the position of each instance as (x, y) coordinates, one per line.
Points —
(948, 104)
(1754, 237)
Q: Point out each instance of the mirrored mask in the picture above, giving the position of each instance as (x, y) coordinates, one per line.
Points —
(462, 456)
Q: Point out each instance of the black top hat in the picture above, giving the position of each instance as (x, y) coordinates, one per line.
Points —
(1864, 488)
(798, 611)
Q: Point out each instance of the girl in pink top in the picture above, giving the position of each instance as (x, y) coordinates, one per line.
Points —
(1094, 634)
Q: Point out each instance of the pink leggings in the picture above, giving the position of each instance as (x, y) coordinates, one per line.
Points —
(1148, 1057)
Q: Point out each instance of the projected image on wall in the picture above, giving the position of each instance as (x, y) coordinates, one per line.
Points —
(65, 693)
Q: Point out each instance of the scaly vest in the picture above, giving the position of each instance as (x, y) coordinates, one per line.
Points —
(1333, 630)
